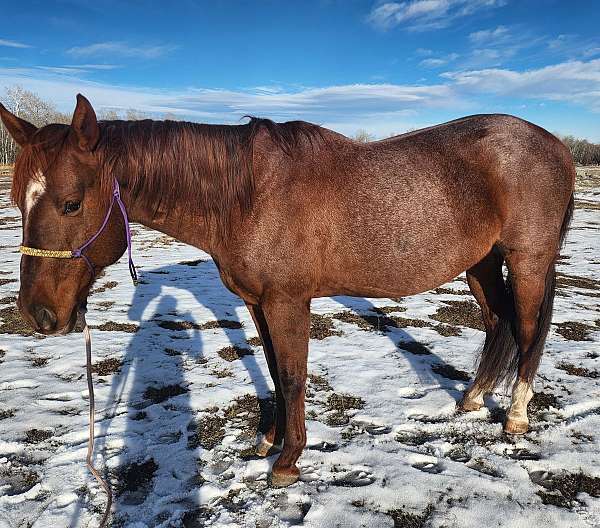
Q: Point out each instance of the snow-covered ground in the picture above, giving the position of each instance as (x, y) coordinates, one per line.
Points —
(178, 407)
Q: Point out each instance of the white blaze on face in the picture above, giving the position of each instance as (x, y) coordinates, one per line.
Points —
(35, 189)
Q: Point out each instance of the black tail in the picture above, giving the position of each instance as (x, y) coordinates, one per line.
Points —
(499, 359)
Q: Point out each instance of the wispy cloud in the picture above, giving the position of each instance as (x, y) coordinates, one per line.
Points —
(437, 62)
(572, 81)
(13, 44)
(420, 15)
(121, 49)
(489, 37)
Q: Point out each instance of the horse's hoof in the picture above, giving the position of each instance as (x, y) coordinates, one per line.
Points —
(466, 405)
(284, 479)
(516, 427)
(266, 448)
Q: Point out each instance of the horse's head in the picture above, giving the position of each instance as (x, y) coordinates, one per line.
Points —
(57, 185)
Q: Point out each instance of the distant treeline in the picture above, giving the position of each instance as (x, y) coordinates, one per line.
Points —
(583, 152)
(34, 109)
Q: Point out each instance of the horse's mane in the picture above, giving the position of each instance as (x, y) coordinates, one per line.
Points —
(169, 163)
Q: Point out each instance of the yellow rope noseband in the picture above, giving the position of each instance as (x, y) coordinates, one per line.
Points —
(34, 252)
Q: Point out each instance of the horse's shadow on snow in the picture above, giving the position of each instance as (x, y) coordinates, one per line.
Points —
(149, 407)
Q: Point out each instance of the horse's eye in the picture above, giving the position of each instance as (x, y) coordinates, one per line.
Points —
(71, 207)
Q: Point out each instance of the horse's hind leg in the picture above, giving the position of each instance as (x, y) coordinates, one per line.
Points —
(533, 283)
(487, 286)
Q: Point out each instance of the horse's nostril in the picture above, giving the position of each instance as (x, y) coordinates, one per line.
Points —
(45, 318)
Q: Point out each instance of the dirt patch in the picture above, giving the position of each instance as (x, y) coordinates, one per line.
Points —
(106, 286)
(414, 347)
(562, 489)
(384, 310)
(106, 367)
(222, 323)
(135, 477)
(207, 431)
(567, 281)
(337, 406)
(448, 371)
(254, 341)
(450, 291)
(112, 326)
(569, 368)
(178, 325)
(39, 362)
(321, 327)
(319, 383)
(13, 323)
(8, 300)
(251, 414)
(6, 281)
(16, 478)
(405, 519)
(35, 436)
(541, 402)
(461, 313)
(7, 413)
(574, 330)
(414, 438)
(233, 353)
(161, 394)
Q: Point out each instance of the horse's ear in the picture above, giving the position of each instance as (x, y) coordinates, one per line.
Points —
(85, 124)
(20, 130)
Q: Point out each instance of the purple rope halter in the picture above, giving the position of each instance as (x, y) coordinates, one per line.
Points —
(79, 252)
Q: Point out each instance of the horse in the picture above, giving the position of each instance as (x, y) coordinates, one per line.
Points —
(293, 211)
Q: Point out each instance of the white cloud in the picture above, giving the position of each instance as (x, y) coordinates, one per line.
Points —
(490, 36)
(121, 49)
(13, 44)
(436, 62)
(572, 81)
(421, 15)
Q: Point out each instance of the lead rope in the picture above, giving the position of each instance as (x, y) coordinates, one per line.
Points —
(90, 449)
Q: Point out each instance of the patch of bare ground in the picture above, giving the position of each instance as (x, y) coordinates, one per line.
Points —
(251, 414)
(384, 310)
(254, 341)
(337, 407)
(161, 394)
(112, 326)
(450, 291)
(7, 413)
(405, 519)
(574, 330)
(206, 431)
(449, 372)
(39, 361)
(105, 304)
(106, 367)
(106, 286)
(197, 518)
(573, 370)
(13, 323)
(541, 402)
(321, 327)
(135, 478)
(318, 383)
(569, 281)
(6, 281)
(210, 325)
(563, 489)
(586, 204)
(8, 300)
(233, 353)
(191, 263)
(35, 436)
(16, 478)
(460, 313)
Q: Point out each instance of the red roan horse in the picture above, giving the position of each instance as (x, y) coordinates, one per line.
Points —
(293, 211)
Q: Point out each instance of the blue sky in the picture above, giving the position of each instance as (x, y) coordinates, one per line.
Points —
(380, 66)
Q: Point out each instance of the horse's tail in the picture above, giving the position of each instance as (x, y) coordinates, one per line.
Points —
(499, 358)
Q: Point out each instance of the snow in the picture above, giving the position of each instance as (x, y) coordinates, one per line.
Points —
(405, 449)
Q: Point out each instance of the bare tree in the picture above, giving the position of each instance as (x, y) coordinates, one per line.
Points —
(363, 136)
(135, 115)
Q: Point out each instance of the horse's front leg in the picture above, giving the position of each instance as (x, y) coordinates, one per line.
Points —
(289, 326)
(273, 438)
